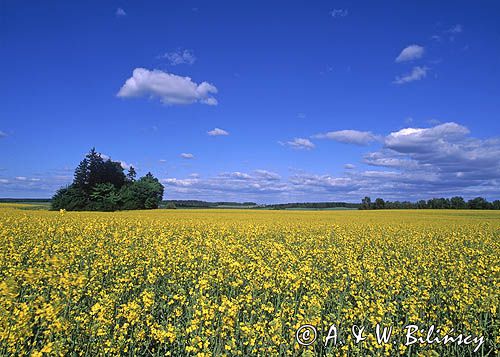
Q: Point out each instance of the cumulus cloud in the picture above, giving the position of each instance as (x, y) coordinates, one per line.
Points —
(120, 12)
(410, 53)
(185, 155)
(299, 143)
(355, 137)
(170, 88)
(217, 132)
(410, 164)
(2, 134)
(422, 139)
(443, 157)
(180, 57)
(416, 74)
(228, 186)
(339, 13)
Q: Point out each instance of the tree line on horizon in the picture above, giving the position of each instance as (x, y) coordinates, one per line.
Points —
(456, 202)
(102, 185)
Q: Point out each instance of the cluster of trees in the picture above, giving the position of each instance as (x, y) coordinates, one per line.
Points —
(456, 202)
(313, 205)
(101, 185)
(204, 204)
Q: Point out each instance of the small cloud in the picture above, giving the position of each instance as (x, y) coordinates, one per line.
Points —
(170, 88)
(436, 38)
(2, 134)
(355, 137)
(335, 13)
(408, 120)
(410, 53)
(268, 175)
(187, 156)
(125, 165)
(299, 143)
(104, 156)
(21, 178)
(349, 166)
(180, 57)
(301, 115)
(120, 12)
(416, 74)
(455, 29)
(162, 161)
(4, 181)
(434, 122)
(217, 132)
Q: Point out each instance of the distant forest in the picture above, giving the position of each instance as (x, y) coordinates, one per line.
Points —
(456, 202)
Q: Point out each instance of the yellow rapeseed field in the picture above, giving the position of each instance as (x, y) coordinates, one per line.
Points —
(241, 282)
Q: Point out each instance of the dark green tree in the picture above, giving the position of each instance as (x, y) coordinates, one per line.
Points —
(379, 203)
(81, 177)
(104, 197)
(478, 203)
(131, 174)
(366, 203)
(71, 198)
(457, 202)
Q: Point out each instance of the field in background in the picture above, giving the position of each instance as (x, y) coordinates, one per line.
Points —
(240, 282)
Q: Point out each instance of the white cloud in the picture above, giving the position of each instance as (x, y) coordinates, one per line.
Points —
(217, 132)
(299, 143)
(170, 88)
(187, 156)
(120, 12)
(180, 57)
(416, 74)
(268, 175)
(4, 181)
(236, 175)
(418, 139)
(2, 134)
(456, 29)
(339, 13)
(411, 163)
(21, 178)
(410, 53)
(349, 136)
(162, 161)
(125, 165)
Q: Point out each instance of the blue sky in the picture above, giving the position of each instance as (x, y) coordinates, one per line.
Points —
(270, 101)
